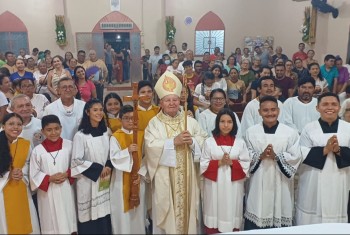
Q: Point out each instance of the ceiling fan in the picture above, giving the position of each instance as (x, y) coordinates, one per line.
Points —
(322, 6)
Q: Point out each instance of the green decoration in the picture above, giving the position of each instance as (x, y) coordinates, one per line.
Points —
(61, 38)
(170, 29)
(305, 30)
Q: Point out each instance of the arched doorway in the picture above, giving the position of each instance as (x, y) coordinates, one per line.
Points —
(210, 33)
(119, 30)
(13, 33)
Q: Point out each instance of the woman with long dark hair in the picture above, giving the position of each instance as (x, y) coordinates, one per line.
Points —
(217, 71)
(55, 75)
(207, 118)
(92, 168)
(232, 63)
(321, 83)
(224, 164)
(202, 92)
(111, 107)
(17, 211)
(86, 88)
(186, 96)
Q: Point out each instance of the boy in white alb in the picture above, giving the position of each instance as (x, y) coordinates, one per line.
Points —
(126, 217)
(275, 157)
(50, 175)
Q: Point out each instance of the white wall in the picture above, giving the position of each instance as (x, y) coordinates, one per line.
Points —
(337, 30)
(39, 18)
(279, 18)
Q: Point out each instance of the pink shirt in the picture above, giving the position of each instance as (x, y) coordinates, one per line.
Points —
(86, 90)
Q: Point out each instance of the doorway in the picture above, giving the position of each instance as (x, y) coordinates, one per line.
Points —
(117, 40)
(131, 37)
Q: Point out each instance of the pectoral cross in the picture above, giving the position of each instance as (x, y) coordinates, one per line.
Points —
(134, 200)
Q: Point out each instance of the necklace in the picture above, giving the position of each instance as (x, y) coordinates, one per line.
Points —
(54, 158)
(226, 153)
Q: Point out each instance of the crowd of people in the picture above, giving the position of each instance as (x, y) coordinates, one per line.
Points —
(180, 160)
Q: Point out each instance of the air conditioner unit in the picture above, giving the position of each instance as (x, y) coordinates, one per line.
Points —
(116, 25)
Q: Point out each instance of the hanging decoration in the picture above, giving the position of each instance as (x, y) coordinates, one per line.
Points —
(308, 29)
(170, 29)
(61, 37)
(305, 28)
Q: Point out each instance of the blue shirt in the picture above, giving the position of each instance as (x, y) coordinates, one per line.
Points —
(16, 76)
(329, 75)
(71, 71)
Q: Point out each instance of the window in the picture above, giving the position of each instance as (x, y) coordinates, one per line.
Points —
(210, 33)
(208, 40)
(13, 41)
(13, 33)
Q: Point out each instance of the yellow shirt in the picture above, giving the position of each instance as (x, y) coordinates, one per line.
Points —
(31, 70)
(17, 210)
(125, 140)
(12, 69)
(114, 124)
(145, 116)
(100, 64)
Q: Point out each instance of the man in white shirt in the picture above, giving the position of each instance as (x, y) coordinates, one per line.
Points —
(175, 206)
(300, 110)
(275, 156)
(344, 95)
(188, 56)
(68, 109)
(39, 101)
(41, 78)
(323, 192)
(153, 61)
(251, 114)
(184, 47)
(31, 131)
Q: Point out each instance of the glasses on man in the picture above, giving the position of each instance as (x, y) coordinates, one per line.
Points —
(128, 119)
(218, 99)
(67, 87)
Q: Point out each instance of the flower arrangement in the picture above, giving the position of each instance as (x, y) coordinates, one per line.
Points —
(305, 28)
(61, 38)
(170, 29)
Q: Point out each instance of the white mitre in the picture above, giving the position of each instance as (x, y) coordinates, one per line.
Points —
(168, 84)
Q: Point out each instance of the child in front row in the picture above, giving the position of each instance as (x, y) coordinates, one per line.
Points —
(50, 175)
(127, 182)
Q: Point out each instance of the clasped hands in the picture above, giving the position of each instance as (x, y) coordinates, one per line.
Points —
(58, 178)
(16, 174)
(332, 145)
(184, 137)
(268, 153)
(226, 160)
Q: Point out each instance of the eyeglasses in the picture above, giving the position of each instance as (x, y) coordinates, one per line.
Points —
(218, 99)
(67, 87)
(128, 119)
(27, 86)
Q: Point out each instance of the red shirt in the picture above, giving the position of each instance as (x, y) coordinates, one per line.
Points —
(213, 57)
(300, 55)
(86, 90)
